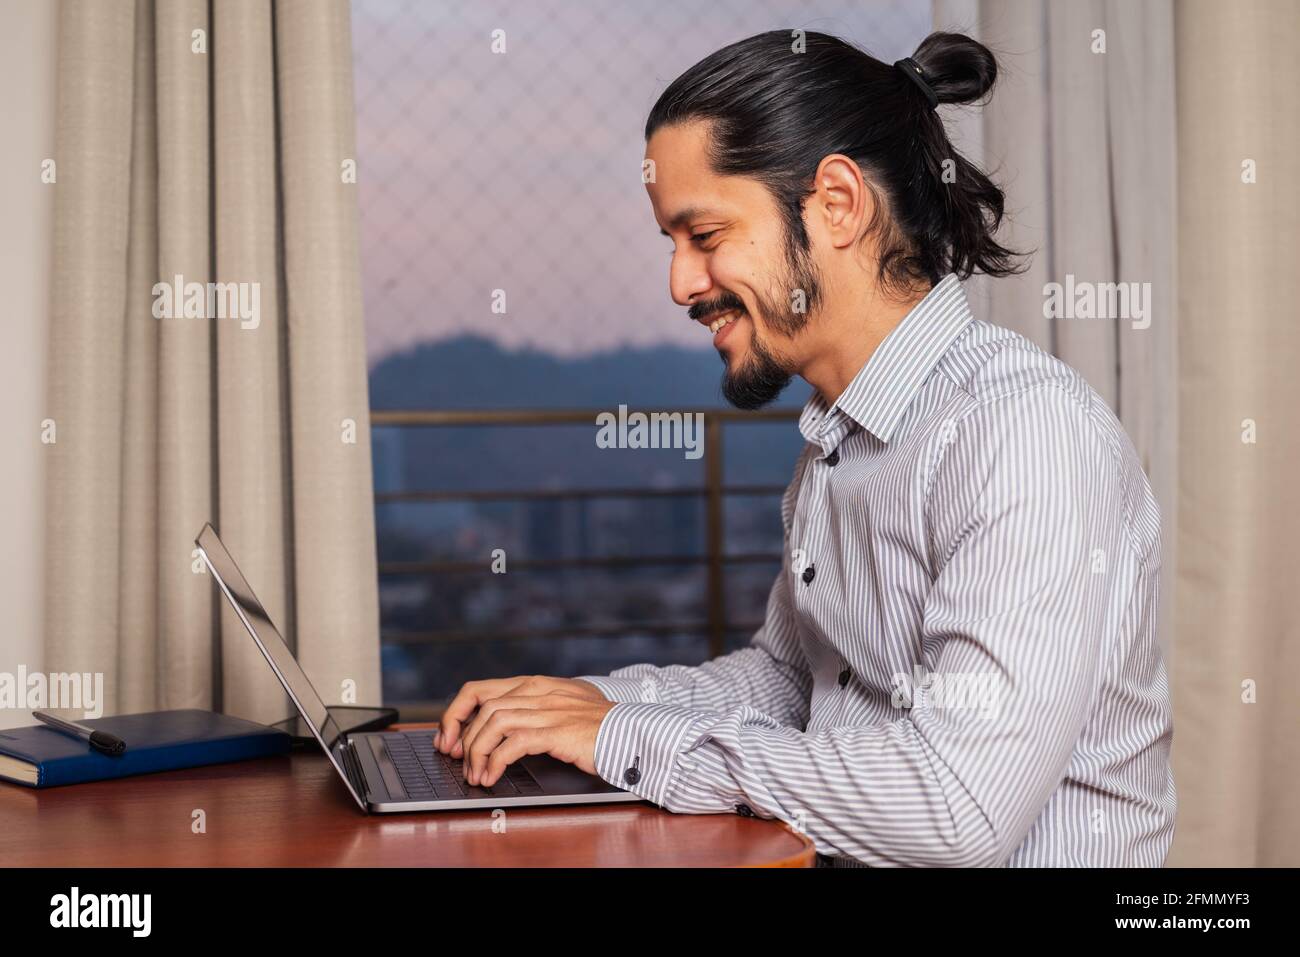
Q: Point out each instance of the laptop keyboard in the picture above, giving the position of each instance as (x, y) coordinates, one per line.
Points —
(426, 772)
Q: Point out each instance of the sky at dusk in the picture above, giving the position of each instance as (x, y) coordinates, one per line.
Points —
(521, 171)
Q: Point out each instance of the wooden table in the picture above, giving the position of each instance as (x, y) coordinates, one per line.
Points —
(292, 811)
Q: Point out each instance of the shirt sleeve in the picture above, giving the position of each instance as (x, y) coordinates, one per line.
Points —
(771, 675)
(1033, 571)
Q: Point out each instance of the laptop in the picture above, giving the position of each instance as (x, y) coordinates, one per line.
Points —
(392, 771)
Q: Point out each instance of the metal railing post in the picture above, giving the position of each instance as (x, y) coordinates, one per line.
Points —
(713, 484)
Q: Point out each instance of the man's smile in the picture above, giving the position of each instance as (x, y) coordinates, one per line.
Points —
(720, 323)
(723, 328)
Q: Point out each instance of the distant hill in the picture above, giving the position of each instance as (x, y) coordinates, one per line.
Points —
(474, 372)
(471, 372)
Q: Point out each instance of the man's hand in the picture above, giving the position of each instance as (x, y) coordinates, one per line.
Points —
(519, 716)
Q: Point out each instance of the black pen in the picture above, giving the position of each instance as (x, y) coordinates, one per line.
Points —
(101, 741)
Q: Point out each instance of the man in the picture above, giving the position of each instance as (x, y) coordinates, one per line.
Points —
(958, 664)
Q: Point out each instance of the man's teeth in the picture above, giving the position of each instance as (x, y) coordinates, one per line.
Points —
(721, 321)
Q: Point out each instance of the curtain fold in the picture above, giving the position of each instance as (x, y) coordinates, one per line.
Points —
(216, 156)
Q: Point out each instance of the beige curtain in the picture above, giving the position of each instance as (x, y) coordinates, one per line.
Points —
(208, 141)
(1237, 672)
(1125, 166)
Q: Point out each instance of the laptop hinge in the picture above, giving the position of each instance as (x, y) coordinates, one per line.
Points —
(353, 769)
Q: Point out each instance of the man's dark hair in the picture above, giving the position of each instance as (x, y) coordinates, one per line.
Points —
(775, 112)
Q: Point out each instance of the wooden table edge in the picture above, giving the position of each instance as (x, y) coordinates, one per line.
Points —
(804, 858)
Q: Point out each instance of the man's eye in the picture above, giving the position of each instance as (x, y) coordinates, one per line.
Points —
(698, 239)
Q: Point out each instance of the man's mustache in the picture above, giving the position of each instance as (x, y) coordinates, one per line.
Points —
(702, 310)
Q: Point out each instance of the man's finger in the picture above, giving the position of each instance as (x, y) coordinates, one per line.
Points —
(471, 696)
(521, 743)
(476, 745)
(499, 729)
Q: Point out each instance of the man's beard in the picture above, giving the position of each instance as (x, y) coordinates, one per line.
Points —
(763, 376)
(760, 380)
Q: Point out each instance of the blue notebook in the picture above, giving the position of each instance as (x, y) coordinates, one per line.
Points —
(41, 757)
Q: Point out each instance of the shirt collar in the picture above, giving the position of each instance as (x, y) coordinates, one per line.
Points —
(885, 386)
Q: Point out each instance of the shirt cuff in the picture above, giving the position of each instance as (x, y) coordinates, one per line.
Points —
(638, 746)
(622, 689)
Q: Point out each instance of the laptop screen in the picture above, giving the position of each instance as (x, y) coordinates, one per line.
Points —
(268, 638)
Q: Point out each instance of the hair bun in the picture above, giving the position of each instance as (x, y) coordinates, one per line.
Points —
(957, 68)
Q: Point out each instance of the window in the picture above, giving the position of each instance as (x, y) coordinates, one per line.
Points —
(511, 263)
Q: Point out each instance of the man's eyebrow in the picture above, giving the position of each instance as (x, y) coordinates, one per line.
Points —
(685, 216)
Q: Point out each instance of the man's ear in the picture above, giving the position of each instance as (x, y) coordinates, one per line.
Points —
(845, 202)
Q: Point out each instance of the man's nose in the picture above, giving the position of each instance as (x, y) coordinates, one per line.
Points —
(688, 280)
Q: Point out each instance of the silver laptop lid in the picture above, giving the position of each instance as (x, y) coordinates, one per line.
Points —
(250, 611)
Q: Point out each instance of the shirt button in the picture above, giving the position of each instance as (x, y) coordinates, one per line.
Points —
(833, 458)
(744, 810)
(632, 775)
(808, 574)
(844, 677)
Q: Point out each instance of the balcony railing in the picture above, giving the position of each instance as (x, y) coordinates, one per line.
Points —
(713, 491)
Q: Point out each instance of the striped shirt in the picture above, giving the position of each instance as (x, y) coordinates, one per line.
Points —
(959, 663)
